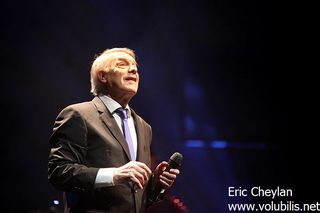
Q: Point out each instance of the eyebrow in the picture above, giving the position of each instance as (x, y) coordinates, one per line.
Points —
(125, 59)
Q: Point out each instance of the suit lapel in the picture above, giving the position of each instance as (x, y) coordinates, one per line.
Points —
(111, 124)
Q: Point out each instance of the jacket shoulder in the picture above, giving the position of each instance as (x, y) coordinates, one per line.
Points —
(79, 108)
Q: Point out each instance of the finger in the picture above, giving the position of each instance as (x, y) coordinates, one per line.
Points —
(163, 165)
(175, 171)
(138, 175)
(169, 175)
(144, 167)
(165, 184)
(128, 171)
(135, 180)
(142, 171)
(137, 166)
(167, 180)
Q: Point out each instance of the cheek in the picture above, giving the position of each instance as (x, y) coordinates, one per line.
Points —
(118, 76)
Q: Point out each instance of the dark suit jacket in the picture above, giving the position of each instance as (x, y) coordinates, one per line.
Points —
(85, 138)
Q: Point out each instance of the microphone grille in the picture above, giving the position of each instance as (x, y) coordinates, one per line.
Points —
(175, 160)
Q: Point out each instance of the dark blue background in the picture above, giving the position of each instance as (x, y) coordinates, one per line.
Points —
(209, 87)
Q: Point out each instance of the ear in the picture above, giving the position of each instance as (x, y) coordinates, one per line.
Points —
(102, 76)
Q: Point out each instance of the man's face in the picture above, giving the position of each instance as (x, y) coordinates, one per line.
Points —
(123, 77)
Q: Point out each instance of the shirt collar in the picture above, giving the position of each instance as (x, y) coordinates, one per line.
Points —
(112, 105)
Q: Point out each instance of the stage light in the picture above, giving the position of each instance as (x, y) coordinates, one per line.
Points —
(194, 143)
(219, 144)
(56, 202)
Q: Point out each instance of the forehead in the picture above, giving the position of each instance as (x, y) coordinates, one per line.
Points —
(121, 56)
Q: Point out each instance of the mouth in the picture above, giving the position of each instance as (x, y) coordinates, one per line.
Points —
(131, 79)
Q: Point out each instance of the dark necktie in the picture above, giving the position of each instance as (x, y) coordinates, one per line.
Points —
(125, 127)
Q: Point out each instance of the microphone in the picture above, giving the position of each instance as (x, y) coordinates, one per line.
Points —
(173, 163)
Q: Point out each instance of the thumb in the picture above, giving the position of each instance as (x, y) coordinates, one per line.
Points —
(160, 168)
(163, 165)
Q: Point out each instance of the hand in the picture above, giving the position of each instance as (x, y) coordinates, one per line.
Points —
(166, 178)
(134, 171)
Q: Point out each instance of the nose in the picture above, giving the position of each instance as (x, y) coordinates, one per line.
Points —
(133, 69)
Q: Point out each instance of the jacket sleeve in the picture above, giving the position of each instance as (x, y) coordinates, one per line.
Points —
(67, 168)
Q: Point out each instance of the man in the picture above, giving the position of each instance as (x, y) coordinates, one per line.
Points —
(100, 150)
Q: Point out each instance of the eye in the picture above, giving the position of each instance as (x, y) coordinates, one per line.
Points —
(122, 64)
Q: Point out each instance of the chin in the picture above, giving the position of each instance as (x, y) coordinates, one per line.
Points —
(131, 89)
(131, 92)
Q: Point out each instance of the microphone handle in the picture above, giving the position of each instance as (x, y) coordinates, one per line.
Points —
(158, 190)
